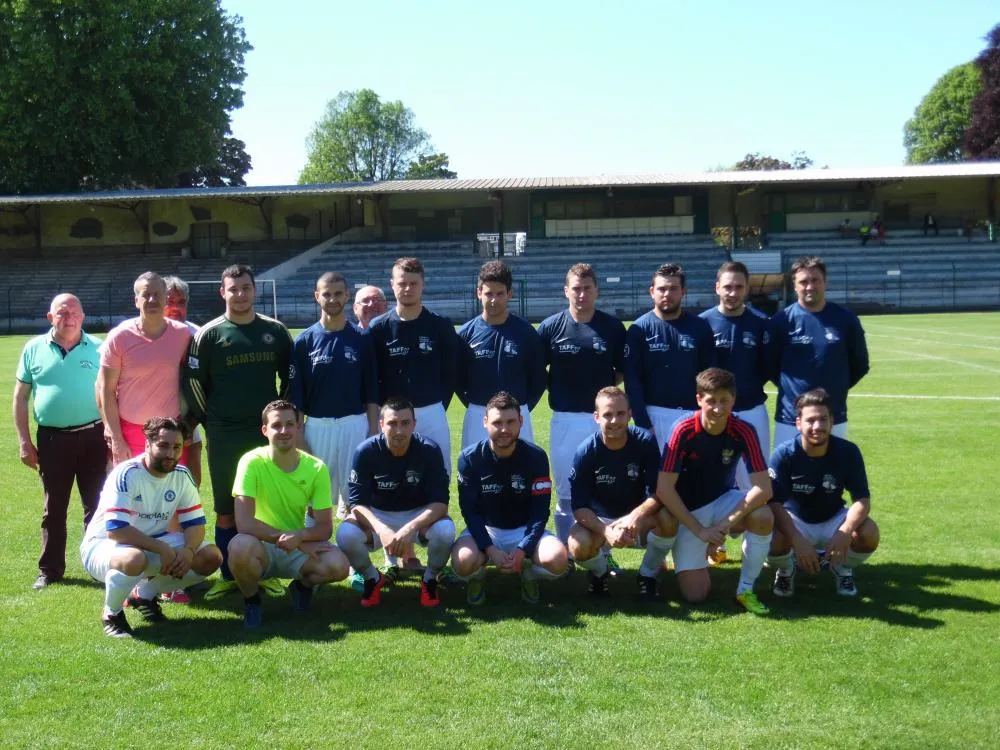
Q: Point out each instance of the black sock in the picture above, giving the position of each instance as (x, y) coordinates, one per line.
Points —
(255, 599)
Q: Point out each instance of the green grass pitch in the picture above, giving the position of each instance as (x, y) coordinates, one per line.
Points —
(913, 662)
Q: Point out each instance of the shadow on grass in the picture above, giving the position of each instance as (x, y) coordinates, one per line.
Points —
(897, 594)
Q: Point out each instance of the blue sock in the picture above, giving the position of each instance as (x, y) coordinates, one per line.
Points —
(222, 539)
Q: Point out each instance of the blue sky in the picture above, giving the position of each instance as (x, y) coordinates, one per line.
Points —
(553, 88)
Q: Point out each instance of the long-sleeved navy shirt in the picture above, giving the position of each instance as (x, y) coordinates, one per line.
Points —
(506, 357)
(333, 372)
(826, 349)
(613, 483)
(392, 483)
(416, 359)
(662, 359)
(582, 358)
(505, 493)
(741, 346)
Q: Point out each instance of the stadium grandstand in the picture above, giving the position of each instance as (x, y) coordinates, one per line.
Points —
(95, 244)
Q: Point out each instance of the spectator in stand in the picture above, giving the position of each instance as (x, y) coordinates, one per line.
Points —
(930, 224)
(865, 233)
(878, 229)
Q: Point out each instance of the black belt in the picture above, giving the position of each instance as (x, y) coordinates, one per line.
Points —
(77, 428)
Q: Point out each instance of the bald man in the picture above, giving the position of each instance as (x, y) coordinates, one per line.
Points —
(369, 303)
(57, 373)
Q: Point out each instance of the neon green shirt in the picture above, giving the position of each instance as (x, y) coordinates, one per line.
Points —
(282, 497)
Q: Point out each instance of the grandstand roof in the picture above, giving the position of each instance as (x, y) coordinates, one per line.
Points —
(662, 179)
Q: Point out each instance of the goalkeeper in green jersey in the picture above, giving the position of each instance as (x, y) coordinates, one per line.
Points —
(236, 365)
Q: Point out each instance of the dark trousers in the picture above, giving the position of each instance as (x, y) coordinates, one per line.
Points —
(62, 458)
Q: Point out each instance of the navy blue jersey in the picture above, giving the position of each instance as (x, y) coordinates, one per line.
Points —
(614, 483)
(662, 359)
(416, 359)
(506, 357)
(812, 488)
(706, 463)
(582, 358)
(505, 493)
(816, 350)
(387, 482)
(333, 372)
(741, 343)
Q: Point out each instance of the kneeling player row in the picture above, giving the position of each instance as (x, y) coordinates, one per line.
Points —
(624, 494)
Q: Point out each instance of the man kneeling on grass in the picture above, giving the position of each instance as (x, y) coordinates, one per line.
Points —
(697, 485)
(127, 544)
(614, 497)
(398, 496)
(275, 486)
(504, 492)
(810, 474)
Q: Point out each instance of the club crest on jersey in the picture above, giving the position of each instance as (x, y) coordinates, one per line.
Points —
(412, 477)
(291, 372)
(727, 456)
(749, 340)
(632, 471)
(686, 343)
(425, 344)
(225, 343)
(832, 336)
(86, 364)
(169, 496)
(600, 345)
(541, 486)
(829, 483)
(350, 354)
(267, 338)
(518, 483)
(510, 349)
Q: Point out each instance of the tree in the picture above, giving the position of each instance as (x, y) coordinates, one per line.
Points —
(936, 132)
(99, 94)
(758, 162)
(982, 138)
(228, 169)
(362, 138)
(431, 167)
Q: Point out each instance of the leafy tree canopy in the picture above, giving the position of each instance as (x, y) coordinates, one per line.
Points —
(982, 138)
(936, 131)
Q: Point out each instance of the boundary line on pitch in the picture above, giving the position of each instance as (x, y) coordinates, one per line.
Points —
(938, 330)
(852, 394)
(931, 341)
(945, 359)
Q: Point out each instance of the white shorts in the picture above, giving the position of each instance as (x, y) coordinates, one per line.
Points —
(473, 431)
(96, 554)
(334, 440)
(566, 431)
(506, 539)
(432, 422)
(663, 420)
(689, 550)
(785, 432)
(758, 419)
(818, 534)
(395, 520)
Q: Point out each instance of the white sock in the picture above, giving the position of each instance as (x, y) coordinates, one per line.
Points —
(854, 559)
(117, 587)
(755, 549)
(153, 587)
(479, 572)
(657, 548)
(535, 572)
(440, 538)
(564, 522)
(354, 543)
(598, 564)
(784, 563)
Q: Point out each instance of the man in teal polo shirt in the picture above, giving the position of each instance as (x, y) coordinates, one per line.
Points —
(58, 371)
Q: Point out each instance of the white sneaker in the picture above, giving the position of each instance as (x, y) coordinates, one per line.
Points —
(784, 582)
(845, 580)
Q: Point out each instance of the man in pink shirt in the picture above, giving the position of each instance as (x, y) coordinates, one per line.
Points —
(140, 369)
